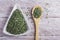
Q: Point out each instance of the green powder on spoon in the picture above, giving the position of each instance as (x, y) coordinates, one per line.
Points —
(37, 12)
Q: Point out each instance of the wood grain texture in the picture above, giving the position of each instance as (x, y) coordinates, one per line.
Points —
(49, 28)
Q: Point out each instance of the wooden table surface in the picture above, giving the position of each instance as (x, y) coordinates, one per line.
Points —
(49, 28)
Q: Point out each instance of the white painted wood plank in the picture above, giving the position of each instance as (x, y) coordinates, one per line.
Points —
(54, 24)
(48, 27)
(5, 6)
(52, 28)
(42, 27)
(50, 37)
(31, 38)
(43, 23)
(53, 8)
(2, 22)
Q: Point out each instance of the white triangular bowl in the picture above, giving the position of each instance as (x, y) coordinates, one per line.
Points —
(4, 29)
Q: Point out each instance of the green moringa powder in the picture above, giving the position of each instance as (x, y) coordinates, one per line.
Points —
(37, 12)
(17, 23)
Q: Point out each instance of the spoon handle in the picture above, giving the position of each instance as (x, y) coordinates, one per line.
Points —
(37, 34)
(36, 29)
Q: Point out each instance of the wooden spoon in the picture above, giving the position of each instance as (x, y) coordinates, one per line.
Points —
(36, 21)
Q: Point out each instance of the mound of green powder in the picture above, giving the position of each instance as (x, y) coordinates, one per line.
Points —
(37, 12)
(17, 23)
